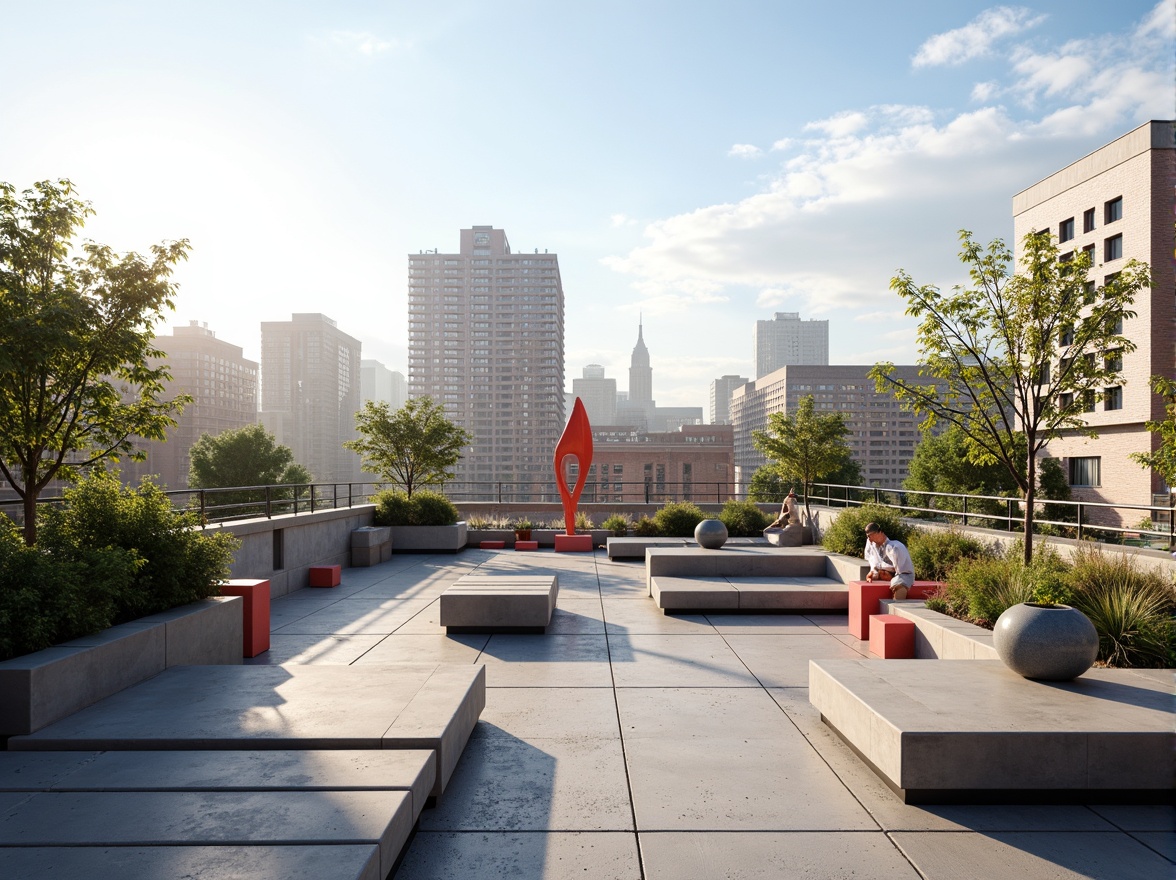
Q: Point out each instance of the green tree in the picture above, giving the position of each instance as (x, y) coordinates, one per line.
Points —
(1162, 459)
(415, 446)
(248, 456)
(76, 386)
(768, 483)
(806, 447)
(1028, 352)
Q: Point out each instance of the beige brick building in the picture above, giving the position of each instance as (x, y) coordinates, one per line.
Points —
(1117, 203)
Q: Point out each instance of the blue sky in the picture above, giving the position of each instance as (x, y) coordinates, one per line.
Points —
(701, 164)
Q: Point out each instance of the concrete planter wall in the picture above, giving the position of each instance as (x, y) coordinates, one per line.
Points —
(429, 539)
(40, 688)
(940, 636)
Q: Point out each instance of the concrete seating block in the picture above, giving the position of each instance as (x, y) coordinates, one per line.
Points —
(429, 539)
(892, 637)
(977, 732)
(255, 603)
(526, 545)
(492, 545)
(790, 594)
(503, 603)
(686, 594)
(325, 575)
(940, 637)
(634, 548)
(573, 543)
(370, 546)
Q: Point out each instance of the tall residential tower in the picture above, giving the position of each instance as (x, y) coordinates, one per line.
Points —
(787, 341)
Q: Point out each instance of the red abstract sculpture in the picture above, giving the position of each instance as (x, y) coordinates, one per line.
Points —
(576, 440)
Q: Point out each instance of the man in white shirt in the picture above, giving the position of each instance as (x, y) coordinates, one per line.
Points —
(889, 559)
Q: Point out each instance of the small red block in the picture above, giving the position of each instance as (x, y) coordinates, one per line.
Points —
(526, 545)
(255, 596)
(892, 637)
(492, 545)
(573, 543)
(325, 575)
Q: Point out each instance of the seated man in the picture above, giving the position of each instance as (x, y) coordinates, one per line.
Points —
(788, 515)
(889, 559)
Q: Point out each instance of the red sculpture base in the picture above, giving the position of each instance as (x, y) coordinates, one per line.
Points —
(573, 543)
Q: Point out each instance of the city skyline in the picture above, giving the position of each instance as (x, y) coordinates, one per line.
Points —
(739, 163)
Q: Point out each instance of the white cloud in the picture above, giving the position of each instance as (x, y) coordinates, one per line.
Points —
(1161, 22)
(976, 38)
(840, 125)
(621, 220)
(984, 92)
(744, 151)
(364, 43)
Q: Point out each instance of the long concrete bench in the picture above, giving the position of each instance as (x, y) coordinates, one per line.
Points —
(499, 603)
(634, 548)
(407, 706)
(750, 578)
(341, 815)
(976, 732)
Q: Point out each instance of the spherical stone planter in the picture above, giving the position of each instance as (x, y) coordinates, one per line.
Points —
(1045, 642)
(711, 534)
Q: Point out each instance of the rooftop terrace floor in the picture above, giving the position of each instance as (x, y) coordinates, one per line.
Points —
(624, 743)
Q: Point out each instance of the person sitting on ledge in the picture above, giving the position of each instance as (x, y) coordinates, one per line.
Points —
(889, 559)
(788, 515)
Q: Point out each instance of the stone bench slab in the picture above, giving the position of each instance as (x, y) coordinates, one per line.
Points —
(703, 593)
(943, 732)
(499, 603)
(309, 862)
(404, 706)
(634, 548)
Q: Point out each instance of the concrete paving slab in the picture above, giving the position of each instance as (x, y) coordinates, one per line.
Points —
(783, 661)
(382, 818)
(577, 616)
(1163, 842)
(1138, 817)
(838, 624)
(957, 729)
(350, 616)
(761, 624)
(316, 862)
(439, 648)
(714, 855)
(700, 660)
(508, 784)
(601, 855)
(39, 771)
(626, 616)
(547, 661)
(1032, 855)
(527, 713)
(303, 648)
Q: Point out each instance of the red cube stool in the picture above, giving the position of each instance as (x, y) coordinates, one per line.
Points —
(492, 545)
(865, 595)
(526, 545)
(892, 637)
(325, 575)
(255, 595)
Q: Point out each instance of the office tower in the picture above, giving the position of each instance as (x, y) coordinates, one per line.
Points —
(788, 341)
(720, 398)
(486, 340)
(640, 373)
(310, 392)
(881, 435)
(691, 463)
(378, 383)
(223, 386)
(599, 395)
(1116, 204)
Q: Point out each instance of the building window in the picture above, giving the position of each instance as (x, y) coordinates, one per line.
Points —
(1086, 471)
(1113, 249)
(1113, 360)
(1065, 401)
(1089, 251)
(1088, 401)
(1066, 230)
(1113, 210)
(1113, 398)
(1066, 337)
(1088, 220)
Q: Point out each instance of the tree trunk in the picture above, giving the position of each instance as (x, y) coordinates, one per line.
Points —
(30, 517)
(1030, 493)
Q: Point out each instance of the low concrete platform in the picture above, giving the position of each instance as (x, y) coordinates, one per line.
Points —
(407, 706)
(634, 548)
(748, 594)
(499, 603)
(973, 732)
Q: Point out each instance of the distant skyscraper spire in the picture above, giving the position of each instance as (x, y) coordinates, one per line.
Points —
(640, 373)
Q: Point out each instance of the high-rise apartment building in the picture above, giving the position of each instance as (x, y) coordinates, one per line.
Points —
(486, 340)
(787, 341)
(378, 383)
(1116, 204)
(223, 386)
(720, 398)
(598, 394)
(882, 436)
(310, 392)
(691, 463)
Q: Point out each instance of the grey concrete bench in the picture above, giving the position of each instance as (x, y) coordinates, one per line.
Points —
(750, 578)
(634, 548)
(370, 546)
(499, 603)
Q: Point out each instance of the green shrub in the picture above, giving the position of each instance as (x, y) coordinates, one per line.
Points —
(178, 563)
(847, 533)
(980, 589)
(618, 524)
(584, 522)
(743, 519)
(1130, 606)
(935, 552)
(677, 519)
(424, 508)
(646, 528)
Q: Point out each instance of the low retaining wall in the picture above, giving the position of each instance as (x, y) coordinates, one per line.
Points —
(940, 636)
(46, 686)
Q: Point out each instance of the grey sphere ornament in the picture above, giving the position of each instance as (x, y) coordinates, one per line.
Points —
(1045, 642)
(711, 534)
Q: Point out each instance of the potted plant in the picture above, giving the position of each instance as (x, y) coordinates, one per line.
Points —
(522, 530)
(1046, 639)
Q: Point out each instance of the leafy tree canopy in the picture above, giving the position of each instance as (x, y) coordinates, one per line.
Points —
(805, 447)
(415, 446)
(1027, 353)
(75, 336)
(1163, 459)
(248, 456)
